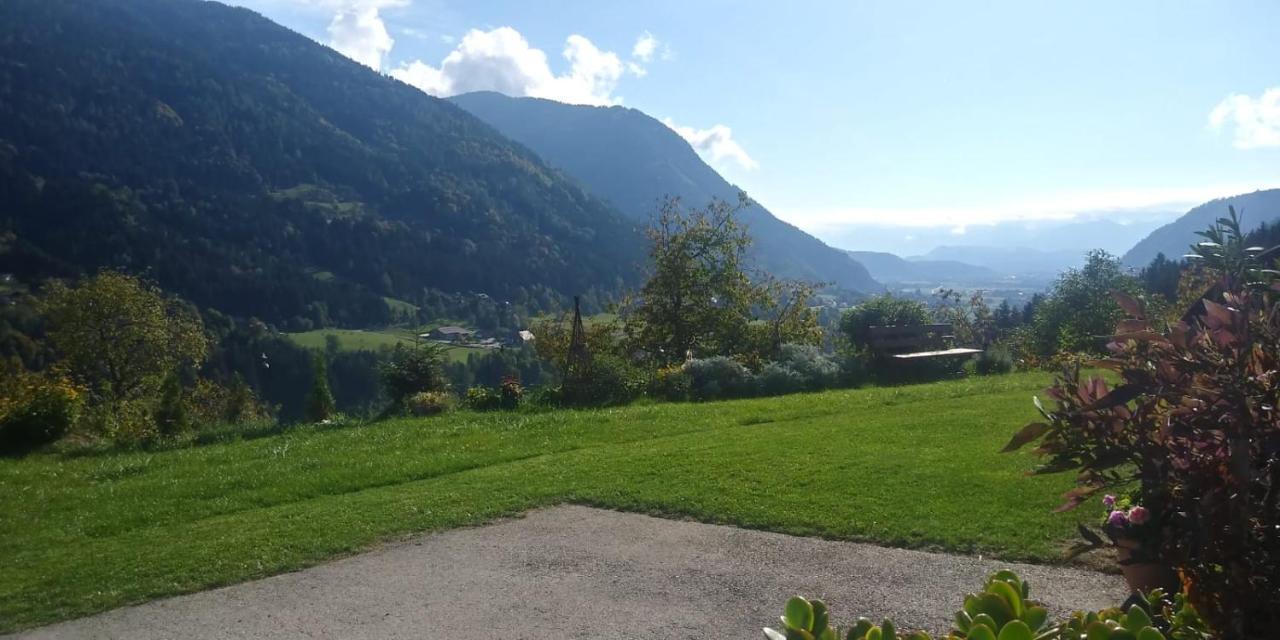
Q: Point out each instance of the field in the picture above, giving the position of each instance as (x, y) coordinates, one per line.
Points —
(912, 466)
(372, 340)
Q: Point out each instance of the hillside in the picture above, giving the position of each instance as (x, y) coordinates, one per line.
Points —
(1020, 261)
(633, 160)
(1173, 239)
(255, 171)
(887, 267)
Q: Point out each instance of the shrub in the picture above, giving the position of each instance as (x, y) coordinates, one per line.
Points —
(212, 403)
(430, 403)
(719, 377)
(816, 369)
(884, 310)
(409, 370)
(35, 410)
(608, 381)
(171, 415)
(1004, 610)
(671, 383)
(1193, 426)
(510, 393)
(483, 399)
(320, 405)
(995, 359)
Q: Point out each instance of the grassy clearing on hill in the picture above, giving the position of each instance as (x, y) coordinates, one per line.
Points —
(912, 466)
(372, 340)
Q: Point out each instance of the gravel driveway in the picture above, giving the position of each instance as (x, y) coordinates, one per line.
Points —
(577, 572)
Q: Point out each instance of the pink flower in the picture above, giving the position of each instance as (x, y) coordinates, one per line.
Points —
(1139, 515)
(1108, 501)
(1117, 519)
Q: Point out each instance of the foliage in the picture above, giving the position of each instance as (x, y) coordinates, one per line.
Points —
(995, 359)
(411, 369)
(35, 408)
(799, 368)
(698, 297)
(671, 383)
(1003, 610)
(430, 403)
(1079, 312)
(1161, 277)
(718, 378)
(883, 310)
(1191, 424)
(213, 403)
(320, 405)
(121, 338)
(609, 381)
(972, 321)
(171, 415)
(511, 393)
(482, 399)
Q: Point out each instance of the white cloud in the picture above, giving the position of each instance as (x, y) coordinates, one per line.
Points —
(1256, 120)
(715, 143)
(358, 32)
(502, 60)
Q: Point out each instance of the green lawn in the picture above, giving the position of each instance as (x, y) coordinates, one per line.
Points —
(372, 340)
(908, 466)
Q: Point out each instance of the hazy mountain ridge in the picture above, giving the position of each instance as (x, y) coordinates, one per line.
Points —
(236, 161)
(632, 160)
(1175, 239)
(889, 268)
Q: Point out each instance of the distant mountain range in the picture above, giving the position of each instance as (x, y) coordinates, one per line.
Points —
(633, 160)
(889, 268)
(257, 172)
(1175, 239)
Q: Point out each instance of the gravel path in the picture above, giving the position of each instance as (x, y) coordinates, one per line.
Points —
(577, 572)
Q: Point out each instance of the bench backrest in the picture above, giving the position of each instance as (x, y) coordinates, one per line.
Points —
(908, 338)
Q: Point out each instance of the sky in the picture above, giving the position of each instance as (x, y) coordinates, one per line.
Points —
(840, 116)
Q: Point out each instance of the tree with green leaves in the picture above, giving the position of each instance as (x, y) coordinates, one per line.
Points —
(121, 337)
(1080, 313)
(698, 298)
(880, 311)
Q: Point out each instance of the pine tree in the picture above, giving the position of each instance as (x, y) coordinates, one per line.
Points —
(320, 405)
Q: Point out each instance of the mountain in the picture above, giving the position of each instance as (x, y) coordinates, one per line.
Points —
(1174, 239)
(889, 268)
(1030, 264)
(252, 170)
(1114, 231)
(633, 160)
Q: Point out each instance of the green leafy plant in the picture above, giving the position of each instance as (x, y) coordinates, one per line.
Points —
(320, 404)
(430, 403)
(482, 399)
(1003, 610)
(511, 392)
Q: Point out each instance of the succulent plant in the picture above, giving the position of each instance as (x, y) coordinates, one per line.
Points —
(1003, 603)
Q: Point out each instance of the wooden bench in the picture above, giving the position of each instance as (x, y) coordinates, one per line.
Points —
(911, 342)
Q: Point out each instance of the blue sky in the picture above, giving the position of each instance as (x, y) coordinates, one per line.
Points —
(844, 114)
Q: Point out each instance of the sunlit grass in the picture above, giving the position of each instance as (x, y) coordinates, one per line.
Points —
(909, 466)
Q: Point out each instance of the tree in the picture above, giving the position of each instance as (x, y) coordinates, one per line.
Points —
(1080, 312)
(698, 298)
(410, 370)
(320, 405)
(121, 337)
(884, 310)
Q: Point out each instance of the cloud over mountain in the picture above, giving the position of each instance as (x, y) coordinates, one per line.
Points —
(1256, 120)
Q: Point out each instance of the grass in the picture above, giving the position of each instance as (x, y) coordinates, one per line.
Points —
(372, 340)
(909, 466)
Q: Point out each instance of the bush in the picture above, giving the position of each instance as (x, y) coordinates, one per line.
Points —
(35, 410)
(608, 381)
(884, 310)
(1005, 610)
(483, 399)
(412, 369)
(430, 403)
(719, 377)
(510, 393)
(777, 379)
(671, 383)
(996, 359)
(320, 405)
(816, 369)
(1192, 427)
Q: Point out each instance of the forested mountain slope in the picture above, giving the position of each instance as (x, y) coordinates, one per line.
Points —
(1174, 239)
(633, 160)
(255, 171)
